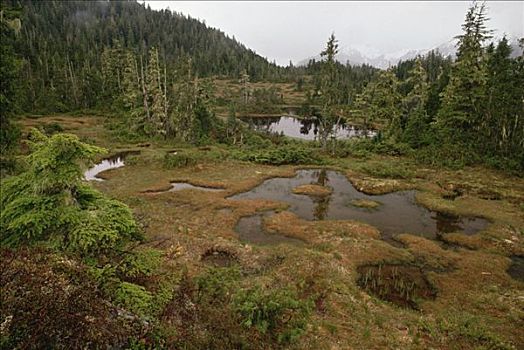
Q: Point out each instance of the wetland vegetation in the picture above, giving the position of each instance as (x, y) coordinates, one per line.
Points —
(140, 208)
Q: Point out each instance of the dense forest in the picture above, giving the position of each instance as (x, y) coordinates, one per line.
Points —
(63, 43)
(126, 261)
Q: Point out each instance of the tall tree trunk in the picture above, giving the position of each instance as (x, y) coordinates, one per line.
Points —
(165, 89)
(144, 90)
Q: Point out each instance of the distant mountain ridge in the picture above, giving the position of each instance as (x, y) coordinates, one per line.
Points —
(359, 55)
(80, 30)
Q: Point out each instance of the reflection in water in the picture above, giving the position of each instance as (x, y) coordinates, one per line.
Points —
(398, 213)
(322, 177)
(178, 186)
(113, 162)
(302, 128)
(322, 203)
(321, 207)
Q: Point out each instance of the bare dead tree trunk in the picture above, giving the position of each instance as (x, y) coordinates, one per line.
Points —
(73, 84)
(165, 89)
(144, 90)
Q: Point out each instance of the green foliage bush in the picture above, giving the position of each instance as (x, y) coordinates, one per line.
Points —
(48, 301)
(386, 170)
(50, 202)
(392, 148)
(464, 328)
(263, 100)
(52, 128)
(216, 283)
(9, 135)
(139, 264)
(134, 298)
(186, 157)
(124, 282)
(363, 148)
(214, 311)
(514, 165)
(454, 156)
(255, 140)
(277, 312)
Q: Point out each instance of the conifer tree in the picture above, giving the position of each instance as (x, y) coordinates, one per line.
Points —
(244, 81)
(111, 61)
(181, 119)
(416, 122)
(8, 73)
(156, 94)
(504, 123)
(328, 118)
(50, 202)
(130, 83)
(463, 100)
(386, 103)
(364, 106)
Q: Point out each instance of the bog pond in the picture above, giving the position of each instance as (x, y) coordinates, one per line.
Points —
(302, 128)
(113, 162)
(396, 212)
(392, 214)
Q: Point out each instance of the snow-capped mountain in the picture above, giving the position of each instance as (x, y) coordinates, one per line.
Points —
(359, 54)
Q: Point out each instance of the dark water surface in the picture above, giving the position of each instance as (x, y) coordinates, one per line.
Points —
(306, 129)
(398, 212)
(516, 269)
(115, 161)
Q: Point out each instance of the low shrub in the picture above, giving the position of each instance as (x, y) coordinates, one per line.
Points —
(386, 170)
(278, 313)
(392, 148)
(453, 156)
(139, 264)
(134, 298)
(216, 284)
(464, 330)
(186, 157)
(52, 128)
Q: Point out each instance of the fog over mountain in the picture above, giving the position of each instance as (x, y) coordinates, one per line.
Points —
(360, 54)
(296, 30)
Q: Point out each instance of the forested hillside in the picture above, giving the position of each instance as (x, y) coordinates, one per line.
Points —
(62, 45)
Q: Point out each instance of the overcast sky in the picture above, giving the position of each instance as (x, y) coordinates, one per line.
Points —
(294, 30)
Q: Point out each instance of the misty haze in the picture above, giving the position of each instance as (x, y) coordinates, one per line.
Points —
(261, 175)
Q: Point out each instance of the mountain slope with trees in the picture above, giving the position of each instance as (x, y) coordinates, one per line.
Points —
(61, 45)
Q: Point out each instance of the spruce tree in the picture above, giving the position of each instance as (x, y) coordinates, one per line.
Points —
(463, 100)
(181, 117)
(131, 96)
(158, 102)
(8, 73)
(364, 105)
(328, 91)
(386, 104)
(504, 123)
(416, 122)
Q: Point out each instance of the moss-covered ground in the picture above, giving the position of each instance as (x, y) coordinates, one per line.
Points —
(477, 304)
